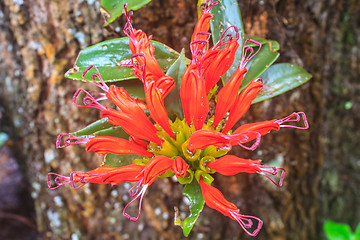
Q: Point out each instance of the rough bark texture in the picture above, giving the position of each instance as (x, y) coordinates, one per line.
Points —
(39, 41)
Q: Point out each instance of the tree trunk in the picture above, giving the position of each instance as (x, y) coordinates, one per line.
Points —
(40, 40)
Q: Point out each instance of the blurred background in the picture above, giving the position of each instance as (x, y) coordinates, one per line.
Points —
(39, 42)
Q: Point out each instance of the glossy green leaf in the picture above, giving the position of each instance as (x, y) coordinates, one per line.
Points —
(96, 126)
(227, 13)
(261, 61)
(113, 132)
(256, 38)
(134, 87)
(193, 192)
(280, 78)
(117, 160)
(337, 231)
(357, 232)
(112, 9)
(172, 101)
(107, 55)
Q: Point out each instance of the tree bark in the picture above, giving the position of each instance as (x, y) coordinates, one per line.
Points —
(39, 41)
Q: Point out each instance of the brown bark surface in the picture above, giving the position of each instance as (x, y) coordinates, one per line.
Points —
(39, 41)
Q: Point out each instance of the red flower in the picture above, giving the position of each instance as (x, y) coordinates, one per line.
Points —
(106, 144)
(231, 165)
(194, 146)
(100, 175)
(214, 199)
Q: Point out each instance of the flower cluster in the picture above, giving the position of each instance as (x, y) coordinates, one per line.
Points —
(192, 148)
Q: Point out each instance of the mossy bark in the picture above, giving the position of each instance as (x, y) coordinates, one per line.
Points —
(40, 40)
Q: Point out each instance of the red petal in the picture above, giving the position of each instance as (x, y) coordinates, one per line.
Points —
(155, 93)
(216, 200)
(231, 165)
(261, 127)
(156, 166)
(106, 144)
(136, 125)
(228, 95)
(203, 138)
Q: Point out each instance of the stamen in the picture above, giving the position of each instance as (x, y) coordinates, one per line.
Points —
(239, 142)
(297, 116)
(208, 6)
(88, 100)
(128, 28)
(223, 41)
(59, 180)
(141, 195)
(200, 41)
(134, 64)
(246, 223)
(82, 180)
(248, 53)
(137, 186)
(70, 140)
(101, 84)
(271, 173)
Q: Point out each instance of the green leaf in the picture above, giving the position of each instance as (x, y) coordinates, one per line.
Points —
(193, 192)
(337, 231)
(117, 160)
(172, 101)
(261, 61)
(96, 126)
(280, 78)
(227, 13)
(256, 38)
(107, 55)
(112, 9)
(101, 128)
(134, 87)
(357, 232)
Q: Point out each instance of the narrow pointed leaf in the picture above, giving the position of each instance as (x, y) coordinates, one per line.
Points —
(261, 61)
(172, 101)
(117, 160)
(112, 9)
(280, 78)
(107, 55)
(256, 38)
(227, 13)
(96, 126)
(193, 192)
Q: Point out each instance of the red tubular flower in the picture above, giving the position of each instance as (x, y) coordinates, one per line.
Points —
(251, 130)
(136, 125)
(216, 200)
(180, 167)
(204, 138)
(100, 175)
(243, 103)
(228, 95)
(200, 35)
(155, 93)
(140, 43)
(122, 99)
(217, 61)
(105, 144)
(186, 83)
(194, 97)
(231, 165)
(155, 167)
(263, 128)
